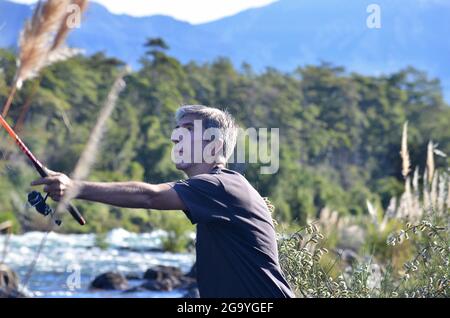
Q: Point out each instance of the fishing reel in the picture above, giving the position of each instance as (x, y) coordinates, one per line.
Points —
(36, 200)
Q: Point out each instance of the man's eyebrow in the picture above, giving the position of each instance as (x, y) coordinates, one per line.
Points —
(184, 125)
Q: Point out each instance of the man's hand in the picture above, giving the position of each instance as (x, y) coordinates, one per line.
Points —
(56, 184)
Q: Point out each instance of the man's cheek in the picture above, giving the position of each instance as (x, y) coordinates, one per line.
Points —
(197, 151)
(176, 153)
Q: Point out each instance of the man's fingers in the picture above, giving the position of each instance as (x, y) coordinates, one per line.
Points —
(46, 180)
(56, 197)
(39, 182)
(54, 187)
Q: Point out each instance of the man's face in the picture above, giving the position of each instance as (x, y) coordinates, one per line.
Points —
(186, 142)
(192, 145)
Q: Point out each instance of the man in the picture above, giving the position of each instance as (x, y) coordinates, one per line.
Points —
(236, 245)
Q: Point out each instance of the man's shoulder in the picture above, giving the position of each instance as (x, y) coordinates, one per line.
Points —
(202, 181)
(216, 175)
(237, 185)
(223, 179)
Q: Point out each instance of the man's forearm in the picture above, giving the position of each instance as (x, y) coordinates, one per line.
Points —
(122, 194)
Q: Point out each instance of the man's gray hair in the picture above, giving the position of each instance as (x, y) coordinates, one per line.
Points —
(214, 118)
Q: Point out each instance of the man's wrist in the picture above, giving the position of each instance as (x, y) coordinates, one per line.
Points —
(79, 187)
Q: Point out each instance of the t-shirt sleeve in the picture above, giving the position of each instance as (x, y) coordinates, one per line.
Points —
(204, 198)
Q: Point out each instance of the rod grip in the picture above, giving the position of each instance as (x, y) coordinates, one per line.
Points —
(76, 214)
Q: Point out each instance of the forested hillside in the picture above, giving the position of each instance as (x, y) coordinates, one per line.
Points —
(340, 132)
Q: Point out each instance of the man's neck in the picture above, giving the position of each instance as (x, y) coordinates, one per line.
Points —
(202, 168)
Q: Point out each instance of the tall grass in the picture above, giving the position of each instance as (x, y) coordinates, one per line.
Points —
(404, 251)
(41, 42)
(89, 153)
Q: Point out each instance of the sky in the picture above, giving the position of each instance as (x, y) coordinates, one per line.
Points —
(193, 11)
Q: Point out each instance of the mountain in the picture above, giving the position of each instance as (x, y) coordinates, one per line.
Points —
(284, 35)
(121, 36)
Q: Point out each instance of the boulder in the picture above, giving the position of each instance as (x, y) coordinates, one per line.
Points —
(159, 285)
(11, 293)
(110, 281)
(9, 283)
(162, 272)
(8, 278)
(167, 278)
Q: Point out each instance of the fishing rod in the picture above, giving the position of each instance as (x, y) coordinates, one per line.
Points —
(42, 170)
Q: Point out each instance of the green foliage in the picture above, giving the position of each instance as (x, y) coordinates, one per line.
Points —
(178, 229)
(311, 272)
(10, 216)
(375, 245)
(427, 273)
(405, 252)
(100, 241)
(339, 132)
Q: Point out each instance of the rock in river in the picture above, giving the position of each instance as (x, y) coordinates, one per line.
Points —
(160, 272)
(110, 281)
(9, 283)
(167, 278)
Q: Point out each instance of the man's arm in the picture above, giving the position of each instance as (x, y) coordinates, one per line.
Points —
(131, 194)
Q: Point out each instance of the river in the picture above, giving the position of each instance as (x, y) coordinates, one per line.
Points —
(68, 263)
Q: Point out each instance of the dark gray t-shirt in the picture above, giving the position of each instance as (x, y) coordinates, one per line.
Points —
(237, 253)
